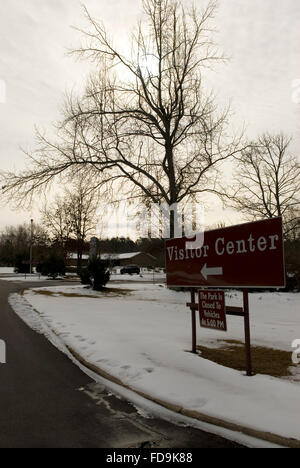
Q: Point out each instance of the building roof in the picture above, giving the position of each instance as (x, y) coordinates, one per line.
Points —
(112, 256)
(123, 256)
(73, 256)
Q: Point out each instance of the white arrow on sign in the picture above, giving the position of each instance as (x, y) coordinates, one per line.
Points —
(205, 272)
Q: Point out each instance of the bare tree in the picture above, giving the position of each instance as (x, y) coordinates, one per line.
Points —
(267, 182)
(73, 215)
(83, 203)
(56, 219)
(15, 241)
(154, 134)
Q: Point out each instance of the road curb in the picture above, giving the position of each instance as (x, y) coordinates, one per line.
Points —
(267, 436)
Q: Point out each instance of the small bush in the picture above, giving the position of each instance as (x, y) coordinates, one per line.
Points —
(292, 257)
(98, 274)
(21, 267)
(292, 282)
(53, 266)
(85, 276)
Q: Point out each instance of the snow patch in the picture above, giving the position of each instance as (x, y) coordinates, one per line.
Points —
(145, 407)
(142, 339)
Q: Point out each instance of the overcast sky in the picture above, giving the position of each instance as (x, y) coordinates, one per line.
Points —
(262, 38)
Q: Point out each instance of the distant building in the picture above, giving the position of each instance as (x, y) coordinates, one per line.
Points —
(141, 259)
(72, 260)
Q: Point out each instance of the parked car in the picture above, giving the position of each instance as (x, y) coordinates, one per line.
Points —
(130, 270)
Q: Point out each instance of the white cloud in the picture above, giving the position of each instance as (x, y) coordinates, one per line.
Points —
(261, 36)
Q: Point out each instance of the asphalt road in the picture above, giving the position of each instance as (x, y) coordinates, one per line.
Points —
(46, 401)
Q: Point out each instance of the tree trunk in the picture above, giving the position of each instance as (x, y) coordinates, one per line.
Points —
(79, 253)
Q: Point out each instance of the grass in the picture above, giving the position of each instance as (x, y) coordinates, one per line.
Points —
(107, 292)
(273, 362)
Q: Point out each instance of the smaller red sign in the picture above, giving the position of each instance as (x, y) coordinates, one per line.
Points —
(212, 310)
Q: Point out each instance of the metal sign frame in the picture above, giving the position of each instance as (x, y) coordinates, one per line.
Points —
(235, 311)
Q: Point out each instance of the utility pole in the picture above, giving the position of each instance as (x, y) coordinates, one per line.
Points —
(31, 241)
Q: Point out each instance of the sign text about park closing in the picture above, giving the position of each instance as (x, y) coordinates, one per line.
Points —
(212, 310)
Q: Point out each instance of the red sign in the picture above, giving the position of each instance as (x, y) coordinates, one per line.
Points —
(246, 256)
(212, 310)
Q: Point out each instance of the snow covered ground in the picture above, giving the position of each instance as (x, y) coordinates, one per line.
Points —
(142, 338)
(24, 278)
(144, 276)
(6, 270)
(8, 274)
